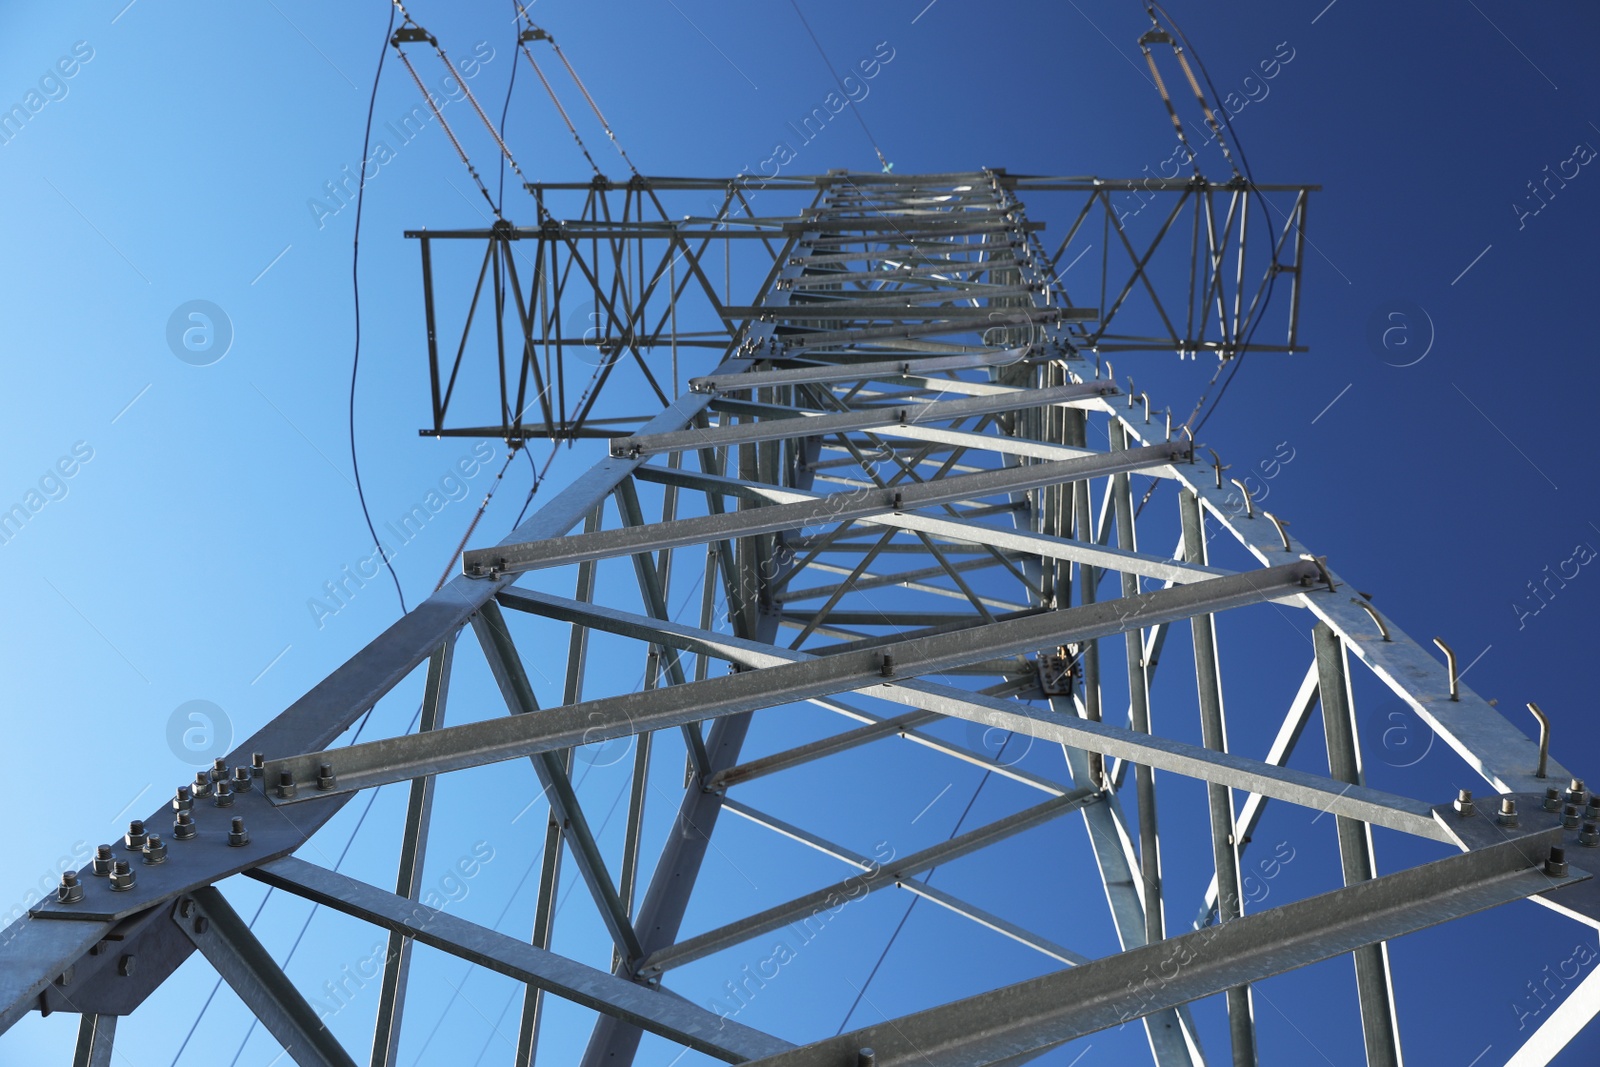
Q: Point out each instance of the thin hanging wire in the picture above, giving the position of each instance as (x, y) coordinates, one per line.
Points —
(887, 166)
(1233, 365)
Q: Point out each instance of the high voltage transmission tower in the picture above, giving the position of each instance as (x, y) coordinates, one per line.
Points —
(898, 489)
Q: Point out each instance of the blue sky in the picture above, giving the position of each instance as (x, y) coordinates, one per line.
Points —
(1437, 456)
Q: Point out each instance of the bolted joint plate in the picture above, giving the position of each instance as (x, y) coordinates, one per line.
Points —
(198, 861)
(1540, 829)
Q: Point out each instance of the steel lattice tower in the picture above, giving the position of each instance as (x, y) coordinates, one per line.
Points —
(892, 492)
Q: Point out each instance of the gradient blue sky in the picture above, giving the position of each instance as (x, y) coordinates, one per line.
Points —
(177, 163)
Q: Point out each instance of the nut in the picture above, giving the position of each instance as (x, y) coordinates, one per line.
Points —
(219, 770)
(224, 795)
(1552, 799)
(1589, 836)
(241, 779)
(101, 864)
(155, 850)
(258, 763)
(1556, 865)
(201, 786)
(238, 836)
(70, 891)
(1464, 805)
(286, 786)
(183, 828)
(184, 800)
(1508, 812)
(135, 836)
(122, 876)
(325, 778)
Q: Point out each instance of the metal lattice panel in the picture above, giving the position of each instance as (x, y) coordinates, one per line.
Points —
(889, 501)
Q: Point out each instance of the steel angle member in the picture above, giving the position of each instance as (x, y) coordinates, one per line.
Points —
(660, 1012)
(784, 423)
(821, 374)
(1029, 1017)
(451, 748)
(961, 530)
(834, 507)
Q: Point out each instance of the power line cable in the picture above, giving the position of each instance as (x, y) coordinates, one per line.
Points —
(1151, 7)
(887, 166)
(862, 991)
(355, 281)
(504, 111)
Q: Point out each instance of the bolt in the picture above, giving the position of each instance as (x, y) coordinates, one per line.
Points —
(1552, 799)
(1569, 817)
(258, 764)
(185, 906)
(122, 876)
(1508, 812)
(325, 779)
(184, 829)
(866, 1058)
(238, 836)
(1575, 791)
(134, 838)
(102, 860)
(125, 965)
(224, 797)
(184, 800)
(70, 891)
(1464, 805)
(1589, 836)
(219, 770)
(241, 779)
(886, 666)
(1592, 810)
(201, 924)
(286, 786)
(155, 850)
(202, 785)
(1556, 865)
